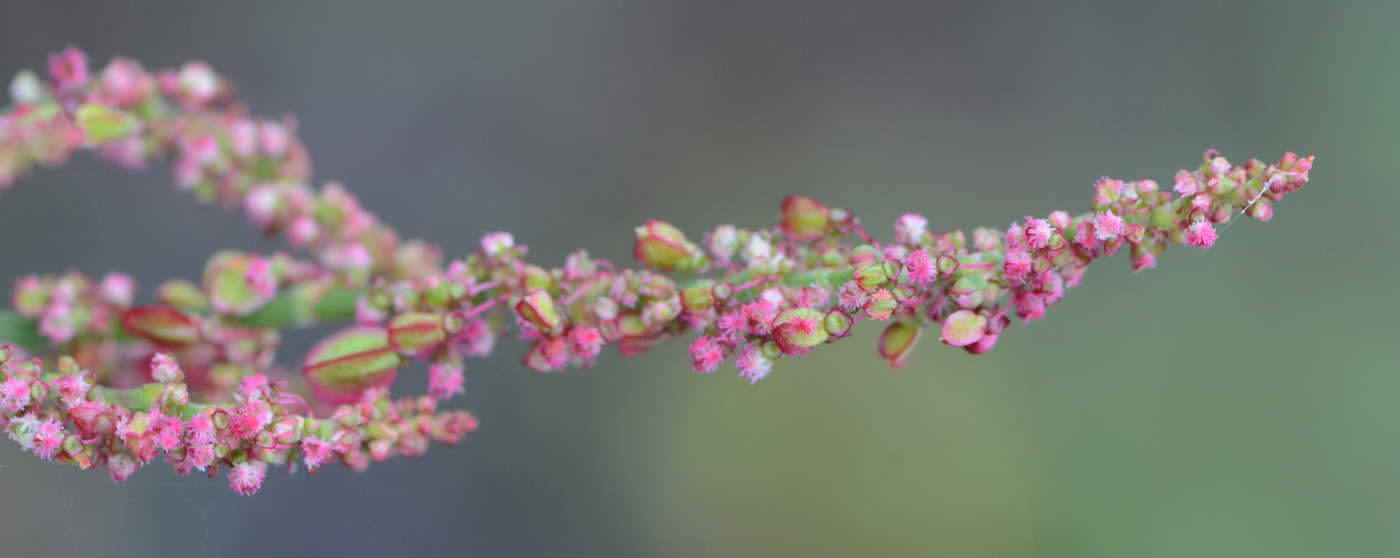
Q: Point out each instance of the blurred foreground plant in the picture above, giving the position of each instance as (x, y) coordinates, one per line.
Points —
(193, 376)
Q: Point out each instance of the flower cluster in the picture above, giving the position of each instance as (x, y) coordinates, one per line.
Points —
(194, 376)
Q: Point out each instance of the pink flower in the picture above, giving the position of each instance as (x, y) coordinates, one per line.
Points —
(69, 69)
(1201, 234)
(120, 467)
(164, 369)
(1038, 233)
(14, 393)
(585, 342)
(200, 430)
(250, 419)
(497, 244)
(852, 298)
(731, 326)
(315, 452)
(705, 354)
(759, 316)
(117, 289)
(73, 388)
(920, 268)
(753, 366)
(1107, 226)
(445, 380)
(1186, 184)
(1017, 265)
(247, 478)
(910, 229)
(48, 439)
(477, 338)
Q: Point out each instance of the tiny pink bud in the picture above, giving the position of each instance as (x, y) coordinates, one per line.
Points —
(117, 289)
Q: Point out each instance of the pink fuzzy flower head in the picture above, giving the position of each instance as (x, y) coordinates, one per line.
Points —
(497, 245)
(1038, 233)
(753, 365)
(1108, 226)
(920, 268)
(250, 419)
(200, 430)
(73, 388)
(1107, 191)
(117, 289)
(14, 393)
(120, 467)
(69, 69)
(1201, 234)
(198, 83)
(851, 297)
(585, 342)
(165, 370)
(48, 439)
(705, 354)
(315, 452)
(445, 380)
(1017, 265)
(911, 229)
(1186, 184)
(247, 478)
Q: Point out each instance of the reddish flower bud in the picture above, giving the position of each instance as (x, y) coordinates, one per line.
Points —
(412, 332)
(161, 325)
(345, 365)
(805, 219)
(798, 330)
(537, 308)
(662, 246)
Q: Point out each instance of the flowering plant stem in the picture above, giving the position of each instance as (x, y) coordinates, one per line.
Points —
(91, 378)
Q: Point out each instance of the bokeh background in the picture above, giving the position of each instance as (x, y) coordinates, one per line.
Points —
(1236, 402)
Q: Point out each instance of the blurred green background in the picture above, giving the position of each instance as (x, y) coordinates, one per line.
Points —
(1234, 402)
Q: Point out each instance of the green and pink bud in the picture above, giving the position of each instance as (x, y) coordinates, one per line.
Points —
(897, 342)
(412, 333)
(797, 330)
(345, 365)
(805, 219)
(963, 328)
(537, 308)
(662, 246)
(161, 325)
